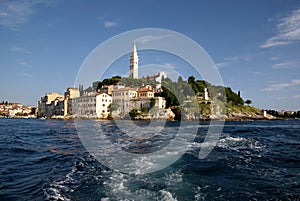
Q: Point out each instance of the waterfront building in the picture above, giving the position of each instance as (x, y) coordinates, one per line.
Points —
(51, 104)
(122, 97)
(71, 93)
(92, 105)
(103, 102)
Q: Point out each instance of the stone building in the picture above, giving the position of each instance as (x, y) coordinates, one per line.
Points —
(51, 104)
(122, 97)
(71, 93)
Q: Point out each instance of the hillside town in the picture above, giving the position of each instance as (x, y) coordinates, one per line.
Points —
(117, 99)
(16, 110)
(110, 101)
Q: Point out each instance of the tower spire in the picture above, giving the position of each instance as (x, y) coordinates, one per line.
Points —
(134, 62)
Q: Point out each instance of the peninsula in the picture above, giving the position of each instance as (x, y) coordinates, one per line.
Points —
(150, 97)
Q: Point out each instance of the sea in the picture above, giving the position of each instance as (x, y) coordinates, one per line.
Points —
(251, 160)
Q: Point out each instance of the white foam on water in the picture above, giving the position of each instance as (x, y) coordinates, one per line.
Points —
(53, 193)
(238, 143)
(167, 196)
(199, 195)
(173, 178)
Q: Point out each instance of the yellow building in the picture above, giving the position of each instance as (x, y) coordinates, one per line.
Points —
(51, 104)
(71, 93)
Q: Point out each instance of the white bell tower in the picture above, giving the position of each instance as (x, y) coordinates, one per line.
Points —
(134, 63)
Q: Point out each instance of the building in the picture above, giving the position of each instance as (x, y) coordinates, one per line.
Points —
(71, 93)
(16, 110)
(107, 89)
(51, 104)
(122, 97)
(134, 63)
(158, 78)
(84, 106)
(103, 102)
(204, 96)
(140, 103)
(91, 105)
(145, 92)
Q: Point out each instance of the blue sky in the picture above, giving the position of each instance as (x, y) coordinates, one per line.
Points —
(255, 44)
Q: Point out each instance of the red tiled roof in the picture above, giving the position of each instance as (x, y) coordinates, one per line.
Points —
(144, 90)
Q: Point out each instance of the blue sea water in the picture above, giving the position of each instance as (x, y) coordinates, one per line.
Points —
(45, 160)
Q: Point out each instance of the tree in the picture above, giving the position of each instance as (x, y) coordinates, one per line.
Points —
(180, 79)
(113, 107)
(133, 113)
(233, 97)
(248, 102)
(33, 110)
(191, 79)
(152, 102)
(145, 110)
(95, 85)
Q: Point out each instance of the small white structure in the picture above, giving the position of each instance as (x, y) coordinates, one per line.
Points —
(205, 95)
(102, 102)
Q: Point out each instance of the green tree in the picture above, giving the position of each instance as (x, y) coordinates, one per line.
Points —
(33, 110)
(95, 85)
(248, 102)
(145, 110)
(113, 107)
(152, 102)
(133, 113)
(180, 79)
(233, 97)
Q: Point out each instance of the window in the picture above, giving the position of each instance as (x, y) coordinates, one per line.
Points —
(103, 105)
(103, 111)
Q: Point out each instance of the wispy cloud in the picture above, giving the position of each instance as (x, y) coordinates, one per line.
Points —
(288, 31)
(15, 13)
(285, 65)
(26, 75)
(151, 38)
(231, 60)
(24, 63)
(169, 65)
(19, 49)
(257, 73)
(296, 96)
(281, 86)
(109, 24)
